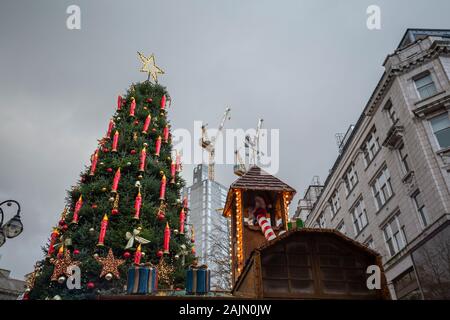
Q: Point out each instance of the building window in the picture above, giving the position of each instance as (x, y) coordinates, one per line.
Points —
(369, 243)
(406, 286)
(390, 111)
(341, 227)
(394, 235)
(420, 206)
(404, 159)
(370, 147)
(425, 86)
(321, 221)
(441, 129)
(359, 217)
(381, 188)
(350, 179)
(335, 204)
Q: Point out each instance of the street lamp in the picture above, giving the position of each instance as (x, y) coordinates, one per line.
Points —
(14, 226)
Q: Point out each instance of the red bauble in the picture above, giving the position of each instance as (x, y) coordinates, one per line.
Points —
(109, 169)
(94, 206)
(90, 285)
(65, 227)
(154, 129)
(160, 216)
(76, 251)
(126, 255)
(61, 223)
(105, 150)
(159, 253)
(114, 211)
(148, 100)
(136, 122)
(133, 151)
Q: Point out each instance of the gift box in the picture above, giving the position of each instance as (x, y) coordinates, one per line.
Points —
(198, 280)
(142, 280)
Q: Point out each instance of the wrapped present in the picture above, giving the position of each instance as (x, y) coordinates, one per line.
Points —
(198, 280)
(142, 280)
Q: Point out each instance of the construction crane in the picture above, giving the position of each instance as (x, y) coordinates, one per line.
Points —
(210, 144)
(249, 143)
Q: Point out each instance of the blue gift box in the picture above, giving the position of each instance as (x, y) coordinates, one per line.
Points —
(198, 281)
(142, 280)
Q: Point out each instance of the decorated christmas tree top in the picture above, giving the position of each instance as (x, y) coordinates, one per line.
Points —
(126, 209)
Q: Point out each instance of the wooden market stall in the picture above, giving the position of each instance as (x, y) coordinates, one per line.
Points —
(295, 264)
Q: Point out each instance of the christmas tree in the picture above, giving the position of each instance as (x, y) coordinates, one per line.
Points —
(126, 209)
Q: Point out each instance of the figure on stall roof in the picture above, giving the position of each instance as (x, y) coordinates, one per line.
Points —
(261, 217)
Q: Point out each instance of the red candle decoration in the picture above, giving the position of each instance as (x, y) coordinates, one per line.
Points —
(166, 133)
(53, 237)
(115, 141)
(116, 181)
(147, 123)
(103, 227)
(172, 172)
(132, 106)
(138, 255)
(166, 238)
(182, 218)
(192, 234)
(158, 146)
(110, 127)
(163, 102)
(162, 189)
(119, 102)
(94, 160)
(142, 160)
(178, 162)
(137, 205)
(77, 209)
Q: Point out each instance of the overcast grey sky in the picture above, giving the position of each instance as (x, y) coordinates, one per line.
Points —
(306, 67)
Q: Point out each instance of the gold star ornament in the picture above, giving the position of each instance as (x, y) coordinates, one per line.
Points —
(149, 66)
(62, 264)
(110, 265)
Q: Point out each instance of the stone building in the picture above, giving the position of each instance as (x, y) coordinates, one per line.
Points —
(10, 289)
(389, 186)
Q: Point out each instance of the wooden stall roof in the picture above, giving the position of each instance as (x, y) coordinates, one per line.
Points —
(256, 179)
(306, 231)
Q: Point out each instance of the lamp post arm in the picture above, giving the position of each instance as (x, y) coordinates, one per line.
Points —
(2, 213)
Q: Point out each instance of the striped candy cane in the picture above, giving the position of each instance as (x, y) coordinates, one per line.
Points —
(265, 227)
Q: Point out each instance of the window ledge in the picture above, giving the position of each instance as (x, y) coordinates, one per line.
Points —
(361, 231)
(373, 159)
(432, 104)
(420, 101)
(385, 204)
(445, 156)
(351, 191)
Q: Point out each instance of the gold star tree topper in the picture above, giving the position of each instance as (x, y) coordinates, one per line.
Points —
(149, 66)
